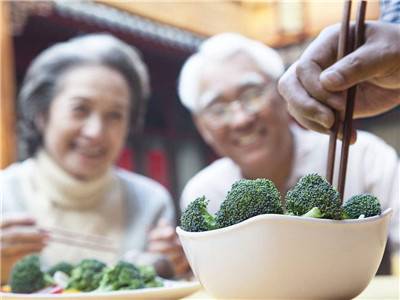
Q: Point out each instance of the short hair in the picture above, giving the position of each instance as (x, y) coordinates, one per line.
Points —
(42, 78)
(219, 48)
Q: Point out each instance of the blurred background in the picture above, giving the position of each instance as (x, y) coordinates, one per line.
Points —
(166, 32)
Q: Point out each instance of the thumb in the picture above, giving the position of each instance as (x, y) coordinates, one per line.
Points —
(358, 66)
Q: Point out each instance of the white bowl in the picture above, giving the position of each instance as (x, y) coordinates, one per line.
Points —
(286, 257)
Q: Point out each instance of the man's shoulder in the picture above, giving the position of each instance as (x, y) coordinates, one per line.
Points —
(215, 170)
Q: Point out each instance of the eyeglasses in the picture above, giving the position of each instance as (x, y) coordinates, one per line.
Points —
(251, 101)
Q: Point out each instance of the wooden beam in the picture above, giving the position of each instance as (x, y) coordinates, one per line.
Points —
(7, 87)
(262, 20)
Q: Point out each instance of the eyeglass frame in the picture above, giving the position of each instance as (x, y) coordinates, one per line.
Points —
(265, 93)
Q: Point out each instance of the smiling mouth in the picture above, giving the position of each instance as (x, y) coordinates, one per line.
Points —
(250, 139)
(95, 152)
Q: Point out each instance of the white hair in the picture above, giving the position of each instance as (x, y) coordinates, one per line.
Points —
(218, 48)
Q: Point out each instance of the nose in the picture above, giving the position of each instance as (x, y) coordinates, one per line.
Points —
(240, 117)
(93, 128)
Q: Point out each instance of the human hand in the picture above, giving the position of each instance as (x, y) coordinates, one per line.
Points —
(19, 237)
(163, 240)
(314, 85)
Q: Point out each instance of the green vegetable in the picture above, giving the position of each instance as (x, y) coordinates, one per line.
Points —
(313, 191)
(61, 266)
(26, 275)
(196, 218)
(123, 276)
(86, 275)
(248, 198)
(364, 204)
(149, 276)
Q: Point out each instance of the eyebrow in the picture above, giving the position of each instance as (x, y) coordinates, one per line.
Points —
(88, 100)
(250, 80)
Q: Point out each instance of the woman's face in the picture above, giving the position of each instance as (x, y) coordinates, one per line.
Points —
(87, 122)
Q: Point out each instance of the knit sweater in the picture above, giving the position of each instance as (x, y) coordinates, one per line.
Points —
(120, 206)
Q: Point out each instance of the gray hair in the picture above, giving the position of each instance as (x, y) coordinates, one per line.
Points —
(42, 78)
(219, 48)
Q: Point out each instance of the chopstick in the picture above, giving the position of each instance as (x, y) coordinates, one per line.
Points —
(345, 46)
(348, 120)
(88, 241)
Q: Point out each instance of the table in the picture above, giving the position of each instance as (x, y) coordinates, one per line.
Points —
(380, 288)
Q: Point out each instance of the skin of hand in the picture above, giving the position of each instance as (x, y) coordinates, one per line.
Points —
(19, 237)
(314, 85)
(163, 240)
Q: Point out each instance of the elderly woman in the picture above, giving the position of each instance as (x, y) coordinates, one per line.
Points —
(77, 102)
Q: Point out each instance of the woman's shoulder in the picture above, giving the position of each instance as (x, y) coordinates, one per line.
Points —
(15, 171)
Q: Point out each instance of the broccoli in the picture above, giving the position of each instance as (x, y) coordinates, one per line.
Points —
(248, 198)
(61, 266)
(148, 274)
(26, 275)
(86, 275)
(313, 191)
(196, 218)
(364, 204)
(123, 276)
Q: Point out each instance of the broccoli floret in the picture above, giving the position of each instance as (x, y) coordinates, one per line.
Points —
(365, 204)
(123, 276)
(313, 191)
(26, 275)
(148, 274)
(61, 266)
(86, 275)
(248, 198)
(196, 218)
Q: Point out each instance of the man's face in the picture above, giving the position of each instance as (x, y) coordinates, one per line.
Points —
(245, 115)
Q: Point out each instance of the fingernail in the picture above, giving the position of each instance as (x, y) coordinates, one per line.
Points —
(331, 78)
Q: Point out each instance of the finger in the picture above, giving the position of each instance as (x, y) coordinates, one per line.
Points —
(181, 267)
(308, 73)
(300, 102)
(361, 65)
(323, 49)
(164, 247)
(162, 233)
(23, 235)
(15, 220)
(21, 249)
(309, 124)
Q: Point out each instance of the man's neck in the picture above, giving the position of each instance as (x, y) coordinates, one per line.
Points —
(277, 169)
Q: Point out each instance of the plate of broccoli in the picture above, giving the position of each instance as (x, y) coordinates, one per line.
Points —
(90, 278)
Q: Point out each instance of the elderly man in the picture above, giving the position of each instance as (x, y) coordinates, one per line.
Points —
(229, 86)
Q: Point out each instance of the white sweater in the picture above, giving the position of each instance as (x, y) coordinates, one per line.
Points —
(121, 206)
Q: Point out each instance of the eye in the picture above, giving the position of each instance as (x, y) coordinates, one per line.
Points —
(80, 110)
(115, 115)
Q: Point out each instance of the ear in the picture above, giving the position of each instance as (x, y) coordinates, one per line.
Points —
(202, 128)
(40, 122)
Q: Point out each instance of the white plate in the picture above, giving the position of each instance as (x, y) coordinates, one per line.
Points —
(171, 290)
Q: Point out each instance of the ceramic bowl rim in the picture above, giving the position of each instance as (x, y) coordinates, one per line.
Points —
(299, 219)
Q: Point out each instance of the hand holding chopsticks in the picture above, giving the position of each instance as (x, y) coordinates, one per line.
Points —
(313, 87)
